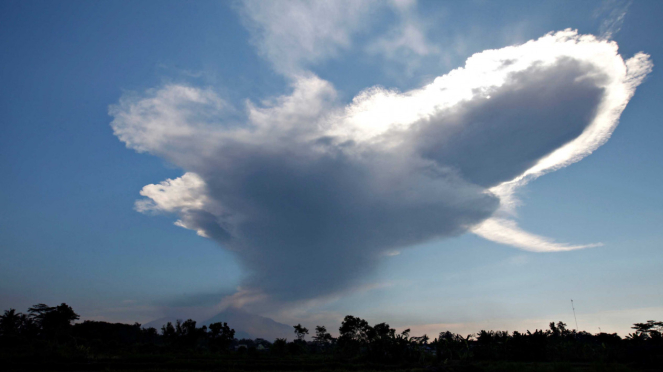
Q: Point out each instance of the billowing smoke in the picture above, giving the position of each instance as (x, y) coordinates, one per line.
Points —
(310, 194)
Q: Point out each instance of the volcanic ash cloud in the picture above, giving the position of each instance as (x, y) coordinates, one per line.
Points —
(310, 194)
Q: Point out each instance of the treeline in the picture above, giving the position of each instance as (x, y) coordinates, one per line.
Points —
(51, 333)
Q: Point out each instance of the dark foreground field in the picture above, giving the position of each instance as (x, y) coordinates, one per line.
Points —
(306, 364)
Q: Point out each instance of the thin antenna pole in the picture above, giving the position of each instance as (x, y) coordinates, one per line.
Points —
(574, 315)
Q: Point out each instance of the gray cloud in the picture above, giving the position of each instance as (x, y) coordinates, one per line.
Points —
(536, 111)
(310, 224)
(309, 194)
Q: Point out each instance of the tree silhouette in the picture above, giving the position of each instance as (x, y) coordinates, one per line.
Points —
(49, 334)
(649, 329)
(168, 331)
(279, 347)
(53, 321)
(221, 335)
(10, 323)
(300, 332)
(354, 329)
(322, 336)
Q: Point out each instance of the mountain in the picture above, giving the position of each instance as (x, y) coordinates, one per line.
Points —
(245, 324)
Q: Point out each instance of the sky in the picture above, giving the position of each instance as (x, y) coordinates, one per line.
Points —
(434, 165)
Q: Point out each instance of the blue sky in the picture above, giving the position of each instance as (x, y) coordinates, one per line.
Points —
(70, 230)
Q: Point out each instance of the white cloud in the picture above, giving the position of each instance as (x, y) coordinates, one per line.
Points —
(184, 193)
(612, 14)
(507, 232)
(173, 114)
(406, 42)
(311, 194)
(294, 34)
